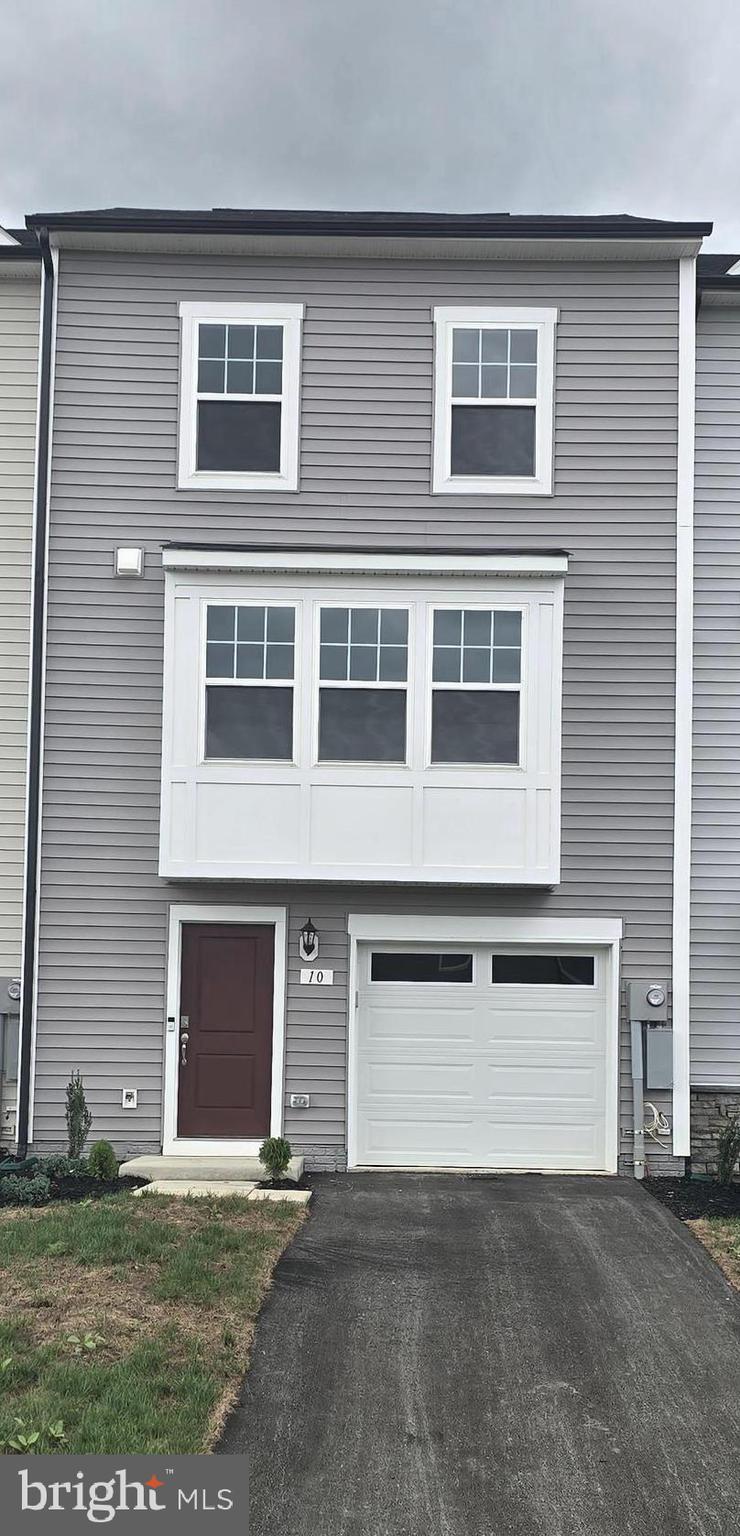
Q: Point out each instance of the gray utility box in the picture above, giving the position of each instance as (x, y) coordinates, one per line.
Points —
(658, 1056)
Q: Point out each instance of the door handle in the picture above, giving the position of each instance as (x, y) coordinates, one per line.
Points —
(184, 1037)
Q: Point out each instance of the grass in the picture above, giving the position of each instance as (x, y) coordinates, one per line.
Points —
(721, 1236)
(129, 1321)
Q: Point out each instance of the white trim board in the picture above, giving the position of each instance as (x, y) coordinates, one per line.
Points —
(204, 912)
(357, 562)
(681, 936)
(523, 932)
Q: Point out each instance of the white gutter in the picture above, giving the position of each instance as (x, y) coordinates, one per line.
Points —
(350, 562)
(684, 701)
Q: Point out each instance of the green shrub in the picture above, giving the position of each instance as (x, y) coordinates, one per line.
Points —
(18, 1191)
(102, 1161)
(275, 1154)
(728, 1150)
(78, 1116)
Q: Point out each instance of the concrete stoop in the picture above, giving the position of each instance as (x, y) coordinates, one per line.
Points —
(211, 1175)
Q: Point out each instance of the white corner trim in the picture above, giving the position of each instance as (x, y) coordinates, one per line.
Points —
(485, 929)
(42, 702)
(354, 562)
(206, 912)
(544, 321)
(189, 477)
(681, 938)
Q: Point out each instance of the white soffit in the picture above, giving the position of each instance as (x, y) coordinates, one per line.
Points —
(358, 562)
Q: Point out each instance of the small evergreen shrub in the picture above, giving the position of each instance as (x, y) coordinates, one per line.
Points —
(275, 1154)
(728, 1150)
(102, 1161)
(18, 1191)
(79, 1118)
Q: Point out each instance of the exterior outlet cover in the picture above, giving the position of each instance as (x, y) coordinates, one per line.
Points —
(648, 1000)
(300, 1101)
(129, 1098)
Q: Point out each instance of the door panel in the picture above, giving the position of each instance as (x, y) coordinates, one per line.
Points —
(226, 996)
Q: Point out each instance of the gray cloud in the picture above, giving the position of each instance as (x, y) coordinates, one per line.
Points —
(532, 106)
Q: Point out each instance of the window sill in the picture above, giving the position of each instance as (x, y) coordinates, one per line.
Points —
(231, 480)
(474, 485)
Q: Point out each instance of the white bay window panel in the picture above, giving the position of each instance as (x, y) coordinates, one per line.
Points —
(282, 755)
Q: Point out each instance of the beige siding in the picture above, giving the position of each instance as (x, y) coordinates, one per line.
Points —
(365, 475)
(19, 327)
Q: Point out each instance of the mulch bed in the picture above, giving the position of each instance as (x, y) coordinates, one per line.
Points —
(690, 1199)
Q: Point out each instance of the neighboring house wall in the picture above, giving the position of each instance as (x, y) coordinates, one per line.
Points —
(715, 949)
(365, 476)
(19, 329)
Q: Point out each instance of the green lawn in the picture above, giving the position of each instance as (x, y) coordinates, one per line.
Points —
(721, 1236)
(129, 1321)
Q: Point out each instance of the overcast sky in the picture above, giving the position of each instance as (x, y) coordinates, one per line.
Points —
(530, 106)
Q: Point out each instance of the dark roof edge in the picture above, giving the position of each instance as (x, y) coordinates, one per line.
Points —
(25, 253)
(718, 282)
(444, 226)
(354, 549)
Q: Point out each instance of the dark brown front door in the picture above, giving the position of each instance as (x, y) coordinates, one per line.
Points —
(226, 1062)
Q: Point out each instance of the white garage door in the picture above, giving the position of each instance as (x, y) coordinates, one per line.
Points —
(481, 1057)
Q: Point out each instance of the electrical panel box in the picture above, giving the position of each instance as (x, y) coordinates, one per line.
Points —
(647, 1000)
(658, 1056)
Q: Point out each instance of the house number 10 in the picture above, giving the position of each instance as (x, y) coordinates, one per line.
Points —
(317, 978)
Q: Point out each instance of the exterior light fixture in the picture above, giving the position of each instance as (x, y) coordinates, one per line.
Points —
(308, 942)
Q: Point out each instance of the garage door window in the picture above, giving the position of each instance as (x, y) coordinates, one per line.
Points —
(423, 967)
(476, 678)
(543, 970)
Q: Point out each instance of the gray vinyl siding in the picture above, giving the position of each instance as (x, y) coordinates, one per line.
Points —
(365, 476)
(19, 328)
(715, 948)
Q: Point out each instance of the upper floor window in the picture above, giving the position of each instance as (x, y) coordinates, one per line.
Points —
(493, 400)
(239, 396)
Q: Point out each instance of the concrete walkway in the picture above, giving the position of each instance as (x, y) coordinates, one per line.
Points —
(514, 1356)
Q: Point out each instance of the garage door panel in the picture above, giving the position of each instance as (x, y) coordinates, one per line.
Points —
(538, 1027)
(415, 1141)
(419, 1080)
(542, 1083)
(396, 1024)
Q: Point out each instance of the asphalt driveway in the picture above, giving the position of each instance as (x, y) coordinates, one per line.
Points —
(461, 1356)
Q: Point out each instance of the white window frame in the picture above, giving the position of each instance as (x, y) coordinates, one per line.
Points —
(543, 321)
(207, 682)
(520, 688)
(408, 686)
(192, 315)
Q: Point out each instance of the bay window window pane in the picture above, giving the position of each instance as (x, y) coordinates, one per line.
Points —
(335, 625)
(507, 628)
(281, 624)
(446, 666)
(220, 622)
(220, 658)
(250, 624)
(333, 662)
(447, 626)
(476, 665)
(364, 626)
(477, 627)
(279, 661)
(493, 440)
(394, 626)
(362, 725)
(393, 664)
(475, 726)
(250, 660)
(363, 663)
(249, 723)
(506, 666)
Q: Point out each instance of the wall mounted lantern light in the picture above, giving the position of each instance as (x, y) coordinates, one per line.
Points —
(308, 943)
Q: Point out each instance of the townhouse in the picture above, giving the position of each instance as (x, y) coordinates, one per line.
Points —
(19, 340)
(365, 791)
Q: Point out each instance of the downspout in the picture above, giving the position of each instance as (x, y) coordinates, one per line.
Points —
(36, 694)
